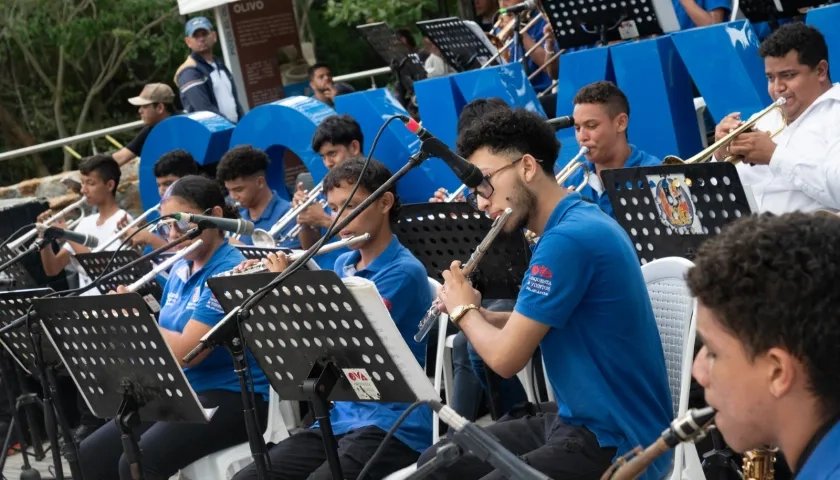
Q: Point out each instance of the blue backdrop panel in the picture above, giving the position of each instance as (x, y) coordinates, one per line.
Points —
(826, 20)
(658, 88)
(287, 123)
(205, 135)
(723, 62)
(371, 108)
(578, 69)
(440, 103)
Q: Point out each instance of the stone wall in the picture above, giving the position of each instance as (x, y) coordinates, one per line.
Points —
(51, 188)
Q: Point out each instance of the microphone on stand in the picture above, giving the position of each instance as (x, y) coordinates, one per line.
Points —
(237, 226)
(468, 173)
(83, 239)
(560, 123)
(519, 7)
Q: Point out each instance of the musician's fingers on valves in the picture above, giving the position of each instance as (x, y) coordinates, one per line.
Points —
(440, 196)
(246, 264)
(729, 123)
(300, 196)
(276, 263)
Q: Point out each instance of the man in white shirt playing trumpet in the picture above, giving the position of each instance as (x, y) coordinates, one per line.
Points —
(799, 168)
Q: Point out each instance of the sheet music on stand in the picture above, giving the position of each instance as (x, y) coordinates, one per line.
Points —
(94, 264)
(15, 277)
(440, 233)
(579, 25)
(14, 305)
(463, 46)
(669, 210)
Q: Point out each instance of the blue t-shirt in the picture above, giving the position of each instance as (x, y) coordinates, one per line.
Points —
(707, 5)
(603, 354)
(187, 297)
(276, 208)
(327, 260)
(541, 81)
(637, 158)
(401, 280)
(824, 461)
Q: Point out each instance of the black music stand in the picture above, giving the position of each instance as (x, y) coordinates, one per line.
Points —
(440, 233)
(578, 25)
(669, 210)
(120, 362)
(315, 343)
(94, 264)
(405, 65)
(15, 277)
(460, 46)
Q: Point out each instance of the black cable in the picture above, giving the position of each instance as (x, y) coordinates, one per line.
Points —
(391, 432)
(19, 230)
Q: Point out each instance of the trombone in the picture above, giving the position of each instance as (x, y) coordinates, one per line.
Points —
(261, 238)
(17, 244)
(119, 234)
(708, 153)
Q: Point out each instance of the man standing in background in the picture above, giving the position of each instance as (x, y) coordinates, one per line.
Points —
(155, 106)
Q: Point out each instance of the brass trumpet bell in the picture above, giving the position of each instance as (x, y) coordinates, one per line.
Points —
(707, 154)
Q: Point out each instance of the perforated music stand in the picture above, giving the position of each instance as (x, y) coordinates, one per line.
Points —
(440, 233)
(94, 265)
(118, 359)
(316, 343)
(14, 305)
(580, 24)
(457, 42)
(669, 210)
(15, 277)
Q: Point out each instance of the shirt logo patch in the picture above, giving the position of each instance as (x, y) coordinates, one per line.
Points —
(539, 280)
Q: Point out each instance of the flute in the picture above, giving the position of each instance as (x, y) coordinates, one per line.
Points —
(162, 267)
(431, 318)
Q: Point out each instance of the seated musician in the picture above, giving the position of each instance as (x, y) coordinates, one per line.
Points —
(402, 282)
(602, 114)
(189, 311)
(100, 178)
(529, 39)
(798, 169)
(583, 302)
(170, 167)
(242, 171)
(769, 362)
(701, 13)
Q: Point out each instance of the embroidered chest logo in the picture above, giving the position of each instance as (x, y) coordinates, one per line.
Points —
(539, 280)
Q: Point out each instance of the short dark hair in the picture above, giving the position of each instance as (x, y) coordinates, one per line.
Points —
(408, 36)
(338, 130)
(808, 42)
(105, 166)
(241, 162)
(314, 68)
(376, 174)
(515, 131)
(477, 109)
(178, 163)
(770, 280)
(604, 93)
(202, 193)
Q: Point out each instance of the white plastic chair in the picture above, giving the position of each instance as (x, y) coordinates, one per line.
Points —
(675, 312)
(224, 464)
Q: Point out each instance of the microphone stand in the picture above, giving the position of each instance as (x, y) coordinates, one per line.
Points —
(35, 247)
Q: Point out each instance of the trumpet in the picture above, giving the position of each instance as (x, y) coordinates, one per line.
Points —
(505, 39)
(572, 167)
(708, 153)
(18, 243)
(330, 247)
(163, 266)
(433, 314)
(125, 229)
(261, 238)
(690, 427)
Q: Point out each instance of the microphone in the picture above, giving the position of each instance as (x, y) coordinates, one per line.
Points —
(238, 226)
(519, 7)
(560, 123)
(481, 444)
(88, 241)
(466, 172)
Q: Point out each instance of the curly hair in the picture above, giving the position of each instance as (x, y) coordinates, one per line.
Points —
(806, 40)
(771, 281)
(242, 162)
(477, 109)
(604, 93)
(511, 131)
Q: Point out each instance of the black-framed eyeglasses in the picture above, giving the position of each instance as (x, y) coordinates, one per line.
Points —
(485, 188)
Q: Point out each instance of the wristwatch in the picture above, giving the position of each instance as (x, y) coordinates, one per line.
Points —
(460, 311)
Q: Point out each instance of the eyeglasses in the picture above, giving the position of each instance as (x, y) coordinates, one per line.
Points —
(166, 226)
(485, 188)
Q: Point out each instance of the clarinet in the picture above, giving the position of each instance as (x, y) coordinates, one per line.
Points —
(430, 319)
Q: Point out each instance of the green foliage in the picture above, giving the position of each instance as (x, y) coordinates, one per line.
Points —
(395, 12)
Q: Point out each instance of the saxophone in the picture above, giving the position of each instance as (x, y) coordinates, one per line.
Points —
(759, 464)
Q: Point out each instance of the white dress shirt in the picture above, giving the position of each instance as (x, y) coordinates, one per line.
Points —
(88, 225)
(804, 172)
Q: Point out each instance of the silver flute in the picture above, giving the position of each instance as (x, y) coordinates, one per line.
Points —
(433, 314)
(162, 267)
(330, 247)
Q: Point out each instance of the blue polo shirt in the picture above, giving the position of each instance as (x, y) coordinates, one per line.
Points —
(276, 208)
(824, 462)
(541, 81)
(327, 260)
(603, 354)
(401, 280)
(637, 158)
(707, 5)
(187, 297)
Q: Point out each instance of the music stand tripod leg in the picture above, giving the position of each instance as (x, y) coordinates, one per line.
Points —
(15, 424)
(127, 419)
(318, 386)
